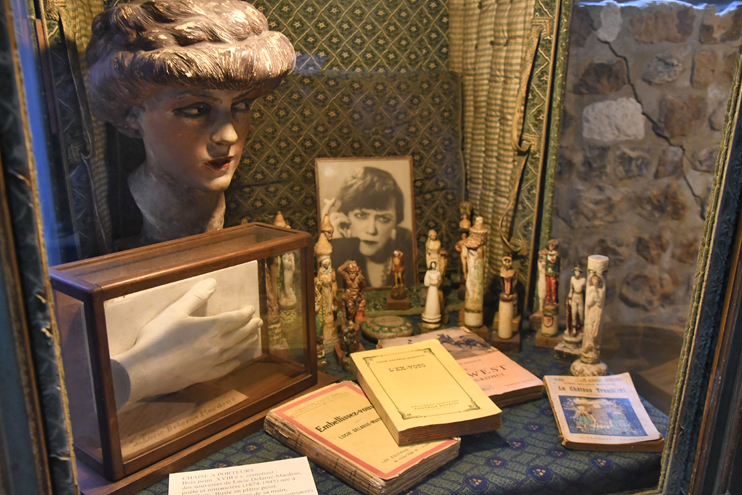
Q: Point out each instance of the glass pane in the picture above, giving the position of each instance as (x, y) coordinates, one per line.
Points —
(78, 377)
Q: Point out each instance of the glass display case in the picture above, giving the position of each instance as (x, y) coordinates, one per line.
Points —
(166, 345)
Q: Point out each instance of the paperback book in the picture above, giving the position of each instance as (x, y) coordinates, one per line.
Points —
(601, 413)
(505, 382)
(422, 394)
(340, 431)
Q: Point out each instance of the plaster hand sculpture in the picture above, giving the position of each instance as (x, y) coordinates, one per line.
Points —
(355, 285)
(465, 213)
(589, 363)
(287, 297)
(176, 350)
(432, 313)
(508, 299)
(181, 75)
(474, 300)
(399, 291)
(432, 248)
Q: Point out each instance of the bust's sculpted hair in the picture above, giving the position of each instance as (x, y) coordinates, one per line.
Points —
(141, 47)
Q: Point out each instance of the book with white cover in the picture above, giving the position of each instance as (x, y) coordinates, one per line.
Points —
(601, 413)
(422, 394)
(502, 379)
(339, 430)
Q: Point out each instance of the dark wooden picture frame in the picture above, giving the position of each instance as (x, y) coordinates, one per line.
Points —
(332, 174)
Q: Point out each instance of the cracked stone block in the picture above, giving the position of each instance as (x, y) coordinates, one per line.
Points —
(727, 67)
(602, 78)
(662, 203)
(678, 116)
(662, 69)
(720, 28)
(718, 116)
(594, 164)
(610, 22)
(631, 163)
(652, 247)
(700, 184)
(565, 166)
(662, 22)
(705, 63)
(671, 163)
(649, 290)
(581, 27)
(613, 120)
(614, 248)
(686, 250)
(706, 159)
(598, 205)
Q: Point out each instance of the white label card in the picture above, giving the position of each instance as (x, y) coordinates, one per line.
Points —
(285, 477)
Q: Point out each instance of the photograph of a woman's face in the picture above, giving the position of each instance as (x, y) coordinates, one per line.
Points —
(369, 202)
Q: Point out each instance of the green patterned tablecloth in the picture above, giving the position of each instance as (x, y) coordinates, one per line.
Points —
(523, 457)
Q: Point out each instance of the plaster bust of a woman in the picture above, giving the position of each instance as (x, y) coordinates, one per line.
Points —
(181, 75)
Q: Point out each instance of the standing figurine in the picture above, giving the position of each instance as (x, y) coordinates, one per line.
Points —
(279, 221)
(355, 285)
(465, 213)
(460, 248)
(326, 275)
(589, 363)
(398, 298)
(474, 300)
(287, 297)
(550, 310)
(432, 248)
(432, 313)
(507, 323)
(541, 284)
(569, 348)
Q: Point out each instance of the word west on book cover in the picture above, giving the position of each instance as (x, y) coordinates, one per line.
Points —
(601, 413)
(422, 394)
(502, 379)
(339, 430)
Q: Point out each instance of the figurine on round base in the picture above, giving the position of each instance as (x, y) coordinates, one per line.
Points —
(432, 313)
(398, 298)
(571, 346)
(548, 335)
(579, 368)
(386, 327)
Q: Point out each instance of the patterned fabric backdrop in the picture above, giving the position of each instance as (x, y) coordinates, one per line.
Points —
(371, 80)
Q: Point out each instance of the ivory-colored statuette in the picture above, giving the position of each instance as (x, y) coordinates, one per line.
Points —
(589, 363)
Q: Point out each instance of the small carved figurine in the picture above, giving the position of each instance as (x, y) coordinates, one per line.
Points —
(432, 313)
(541, 284)
(589, 363)
(432, 248)
(509, 277)
(460, 248)
(355, 285)
(287, 297)
(399, 291)
(575, 304)
(552, 273)
(476, 250)
(465, 213)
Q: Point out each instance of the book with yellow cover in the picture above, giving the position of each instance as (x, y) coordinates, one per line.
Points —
(422, 394)
(505, 382)
(601, 413)
(339, 430)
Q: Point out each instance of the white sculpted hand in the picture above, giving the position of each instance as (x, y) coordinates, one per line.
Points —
(176, 350)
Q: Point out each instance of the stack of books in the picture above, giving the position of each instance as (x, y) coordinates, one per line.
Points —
(502, 379)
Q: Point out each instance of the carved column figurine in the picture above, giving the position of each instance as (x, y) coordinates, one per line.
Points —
(476, 250)
(589, 363)
(355, 285)
(508, 299)
(550, 310)
(326, 276)
(569, 348)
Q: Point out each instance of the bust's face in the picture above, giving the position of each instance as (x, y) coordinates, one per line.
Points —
(194, 136)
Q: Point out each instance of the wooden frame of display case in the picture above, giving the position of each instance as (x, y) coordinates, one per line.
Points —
(267, 393)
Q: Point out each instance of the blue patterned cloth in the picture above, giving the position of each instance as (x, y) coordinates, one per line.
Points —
(525, 456)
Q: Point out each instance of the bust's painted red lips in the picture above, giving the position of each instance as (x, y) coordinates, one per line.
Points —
(219, 163)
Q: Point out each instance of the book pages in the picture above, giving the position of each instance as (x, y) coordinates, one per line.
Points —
(601, 410)
(341, 418)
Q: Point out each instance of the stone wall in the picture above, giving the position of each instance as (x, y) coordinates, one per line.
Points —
(647, 91)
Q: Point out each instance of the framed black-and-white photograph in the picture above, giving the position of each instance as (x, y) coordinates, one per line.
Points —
(370, 204)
